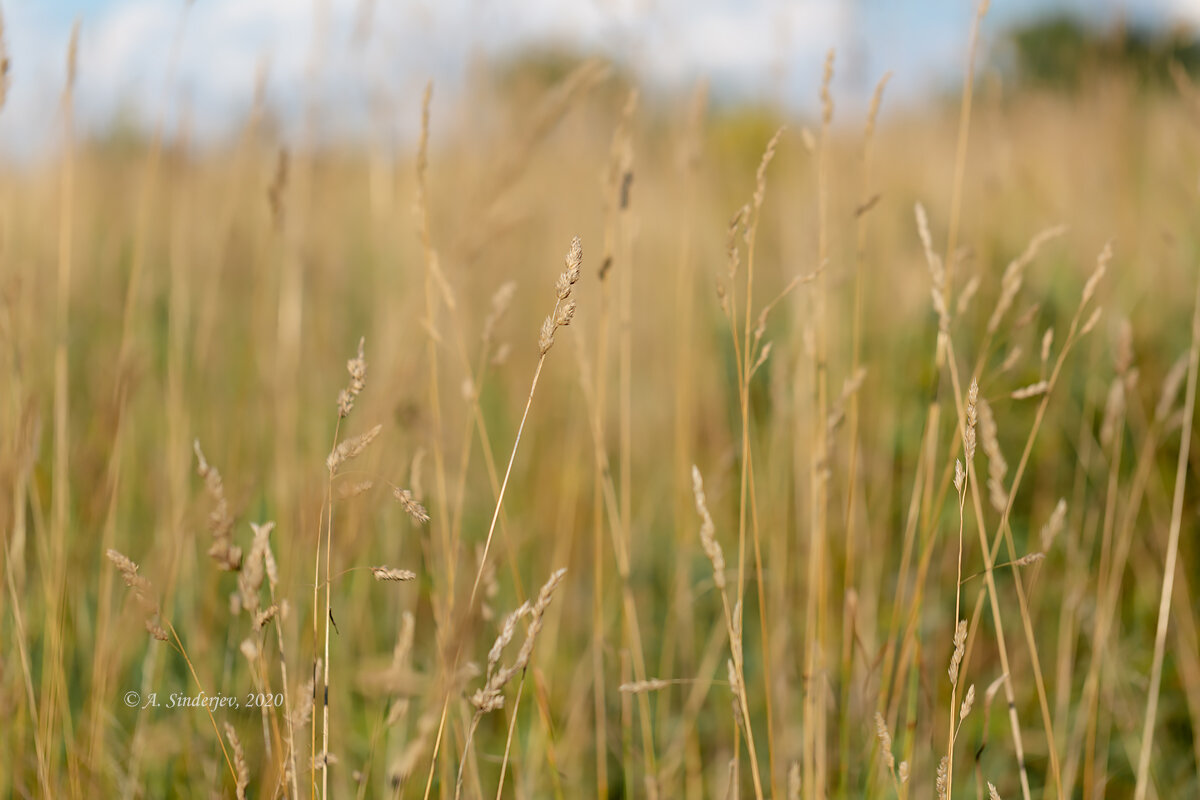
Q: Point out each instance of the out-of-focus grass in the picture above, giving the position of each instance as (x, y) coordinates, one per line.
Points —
(205, 357)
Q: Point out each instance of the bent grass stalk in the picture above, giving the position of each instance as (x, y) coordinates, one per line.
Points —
(564, 310)
(1164, 607)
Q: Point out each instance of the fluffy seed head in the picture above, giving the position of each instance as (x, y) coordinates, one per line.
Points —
(357, 367)
(1029, 559)
(546, 336)
(1054, 525)
(574, 260)
(383, 573)
(501, 301)
(885, 740)
(562, 287)
(566, 312)
(972, 419)
(641, 687)
(708, 537)
(967, 703)
(143, 592)
(410, 505)
(1170, 388)
(351, 449)
(239, 761)
(265, 616)
(220, 521)
(960, 646)
(1032, 390)
(1010, 282)
(1089, 288)
(490, 697)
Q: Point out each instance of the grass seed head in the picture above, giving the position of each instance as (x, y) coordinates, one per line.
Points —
(885, 740)
(410, 505)
(385, 573)
(960, 645)
(708, 531)
(968, 703)
(351, 449)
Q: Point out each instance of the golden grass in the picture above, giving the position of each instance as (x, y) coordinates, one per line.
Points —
(738, 450)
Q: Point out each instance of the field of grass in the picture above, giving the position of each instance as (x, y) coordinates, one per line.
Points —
(747, 433)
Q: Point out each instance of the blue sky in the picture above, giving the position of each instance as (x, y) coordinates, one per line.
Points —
(754, 49)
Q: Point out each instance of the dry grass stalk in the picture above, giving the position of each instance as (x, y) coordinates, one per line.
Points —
(992, 793)
(490, 697)
(733, 618)
(1171, 563)
(227, 555)
(564, 308)
(573, 261)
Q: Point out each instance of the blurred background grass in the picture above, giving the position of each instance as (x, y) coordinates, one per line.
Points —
(216, 289)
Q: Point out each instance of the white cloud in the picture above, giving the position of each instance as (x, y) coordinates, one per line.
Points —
(1187, 11)
(126, 63)
(757, 48)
